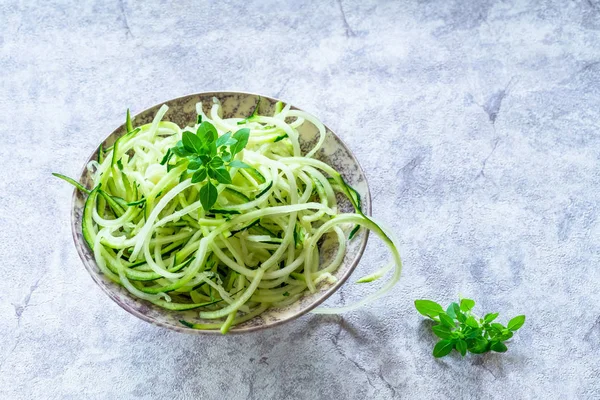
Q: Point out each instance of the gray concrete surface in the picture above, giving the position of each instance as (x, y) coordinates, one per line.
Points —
(477, 123)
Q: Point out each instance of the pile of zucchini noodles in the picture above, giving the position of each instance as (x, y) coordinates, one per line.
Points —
(257, 248)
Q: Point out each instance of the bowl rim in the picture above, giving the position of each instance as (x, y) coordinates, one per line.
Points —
(91, 266)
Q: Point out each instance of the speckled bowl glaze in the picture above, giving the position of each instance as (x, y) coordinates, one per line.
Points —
(182, 111)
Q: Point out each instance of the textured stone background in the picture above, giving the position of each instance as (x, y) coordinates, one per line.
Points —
(477, 123)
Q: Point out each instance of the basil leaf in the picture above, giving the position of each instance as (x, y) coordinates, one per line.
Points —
(216, 162)
(466, 304)
(195, 164)
(443, 348)
(498, 326)
(478, 346)
(473, 333)
(199, 175)
(446, 320)
(212, 149)
(191, 142)
(450, 310)
(428, 308)
(180, 151)
(472, 322)
(498, 347)
(208, 195)
(207, 133)
(516, 322)
(222, 140)
(505, 335)
(490, 317)
(461, 347)
(211, 172)
(242, 137)
(225, 156)
(222, 175)
(441, 331)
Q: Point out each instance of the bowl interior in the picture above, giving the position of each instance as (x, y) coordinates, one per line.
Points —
(182, 111)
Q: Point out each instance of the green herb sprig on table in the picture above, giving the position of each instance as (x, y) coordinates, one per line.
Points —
(209, 157)
(463, 331)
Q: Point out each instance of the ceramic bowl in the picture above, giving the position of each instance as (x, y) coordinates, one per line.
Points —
(182, 111)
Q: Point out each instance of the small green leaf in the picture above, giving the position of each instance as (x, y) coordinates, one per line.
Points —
(222, 175)
(461, 347)
(180, 151)
(222, 140)
(428, 308)
(225, 156)
(466, 304)
(472, 322)
(208, 195)
(490, 317)
(286, 294)
(120, 164)
(459, 315)
(515, 323)
(443, 348)
(199, 175)
(441, 331)
(498, 347)
(478, 345)
(212, 149)
(456, 308)
(498, 326)
(450, 310)
(446, 320)
(191, 142)
(216, 162)
(207, 133)
(495, 330)
(238, 164)
(242, 137)
(194, 164)
(473, 333)
(199, 119)
(478, 341)
(505, 335)
(211, 172)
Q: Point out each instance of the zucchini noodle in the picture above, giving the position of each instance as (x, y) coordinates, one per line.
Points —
(259, 245)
